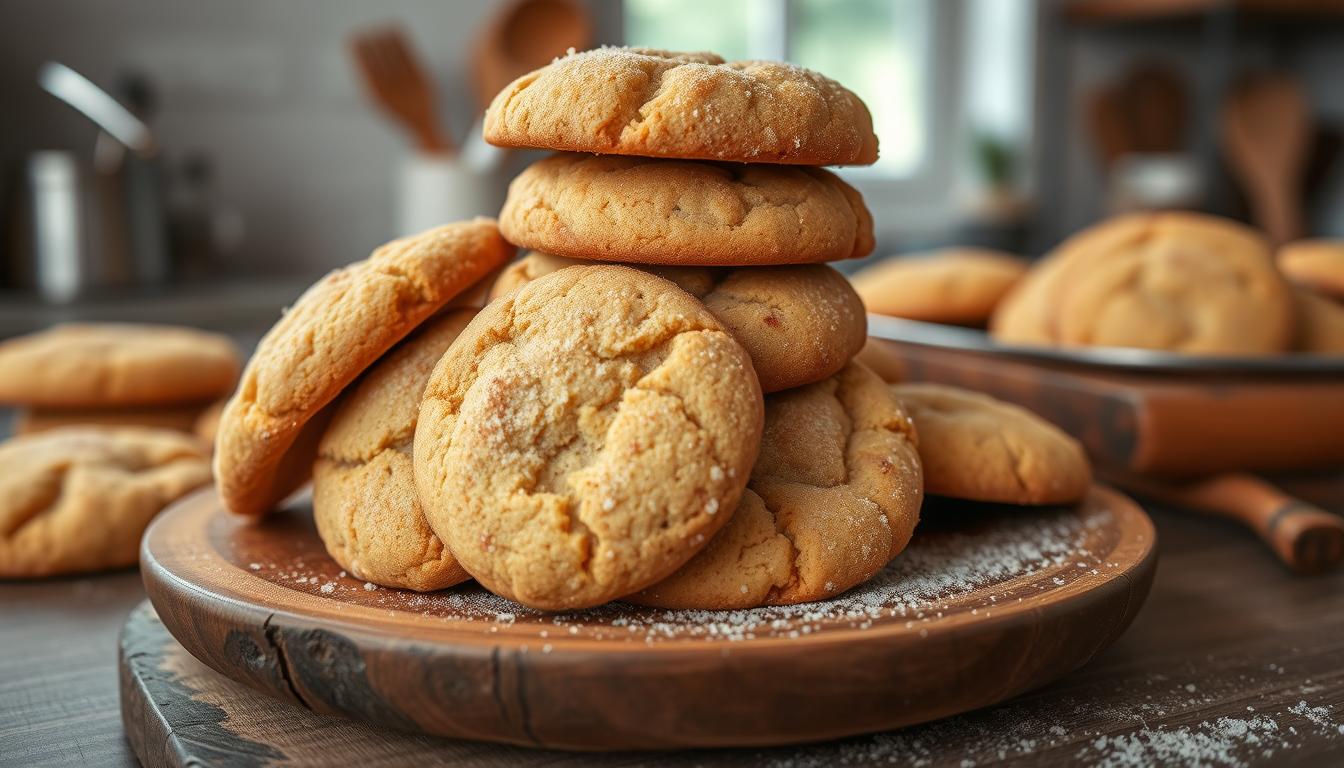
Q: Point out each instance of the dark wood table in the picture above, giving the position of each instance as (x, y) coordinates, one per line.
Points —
(1232, 661)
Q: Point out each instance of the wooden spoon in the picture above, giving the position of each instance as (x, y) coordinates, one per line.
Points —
(525, 36)
(400, 85)
(1266, 132)
(1305, 538)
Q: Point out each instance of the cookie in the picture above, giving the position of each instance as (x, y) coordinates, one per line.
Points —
(1316, 264)
(1180, 282)
(174, 417)
(799, 324)
(1320, 325)
(585, 436)
(111, 365)
(635, 101)
(958, 286)
(1026, 313)
(976, 447)
(76, 500)
(364, 498)
(834, 496)
(685, 213)
(339, 327)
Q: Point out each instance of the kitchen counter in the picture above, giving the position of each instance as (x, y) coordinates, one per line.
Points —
(1231, 661)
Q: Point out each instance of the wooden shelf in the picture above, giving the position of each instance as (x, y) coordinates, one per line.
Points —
(1141, 11)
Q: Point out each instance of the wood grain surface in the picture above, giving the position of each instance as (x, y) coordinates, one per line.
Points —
(985, 604)
(1223, 617)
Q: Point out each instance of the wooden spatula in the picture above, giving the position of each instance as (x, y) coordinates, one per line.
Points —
(399, 85)
(1266, 134)
(1304, 537)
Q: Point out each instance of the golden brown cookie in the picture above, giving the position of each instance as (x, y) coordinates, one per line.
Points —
(111, 365)
(175, 417)
(336, 329)
(800, 324)
(685, 213)
(76, 500)
(1181, 282)
(635, 101)
(1320, 325)
(834, 496)
(976, 447)
(959, 286)
(585, 436)
(1317, 264)
(364, 498)
(1026, 314)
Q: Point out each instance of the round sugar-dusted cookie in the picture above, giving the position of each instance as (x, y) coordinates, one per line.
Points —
(976, 447)
(585, 436)
(116, 365)
(799, 324)
(364, 497)
(77, 499)
(834, 496)
(637, 101)
(959, 286)
(268, 432)
(631, 209)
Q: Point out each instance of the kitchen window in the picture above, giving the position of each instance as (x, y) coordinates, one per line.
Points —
(916, 63)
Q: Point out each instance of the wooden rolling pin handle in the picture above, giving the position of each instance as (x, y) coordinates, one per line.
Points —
(1306, 538)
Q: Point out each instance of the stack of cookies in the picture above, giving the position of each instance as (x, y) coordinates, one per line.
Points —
(659, 403)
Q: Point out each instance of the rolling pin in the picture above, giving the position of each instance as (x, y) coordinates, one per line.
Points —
(1305, 538)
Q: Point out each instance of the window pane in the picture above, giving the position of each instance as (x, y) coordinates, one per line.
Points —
(878, 49)
(690, 25)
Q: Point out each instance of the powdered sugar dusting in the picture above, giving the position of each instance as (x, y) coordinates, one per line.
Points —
(983, 566)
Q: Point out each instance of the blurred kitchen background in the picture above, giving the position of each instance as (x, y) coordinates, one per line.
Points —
(272, 155)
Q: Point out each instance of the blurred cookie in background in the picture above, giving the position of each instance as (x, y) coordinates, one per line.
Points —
(116, 365)
(1316, 264)
(77, 499)
(957, 286)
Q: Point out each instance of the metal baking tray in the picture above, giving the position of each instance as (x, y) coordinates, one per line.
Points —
(1101, 358)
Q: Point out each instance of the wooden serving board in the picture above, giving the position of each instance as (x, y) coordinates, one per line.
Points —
(985, 604)
(1149, 423)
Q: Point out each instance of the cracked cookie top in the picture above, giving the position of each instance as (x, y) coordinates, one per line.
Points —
(336, 329)
(685, 213)
(976, 447)
(77, 499)
(364, 498)
(585, 436)
(834, 496)
(114, 365)
(633, 101)
(799, 324)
